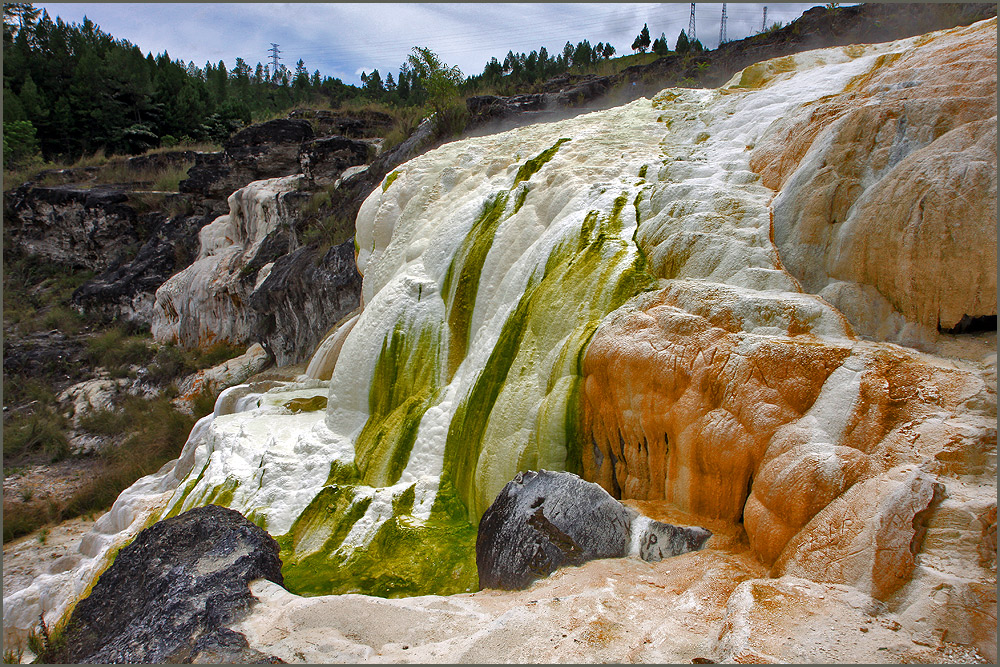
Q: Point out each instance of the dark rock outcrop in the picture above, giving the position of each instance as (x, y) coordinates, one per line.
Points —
(47, 354)
(356, 125)
(304, 288)
(265, 150)
(127, 289)
(545, 520)
(77, 227)
(270, 149)
(155, 161)
(324, 160)
(171, 595)
(211, 176)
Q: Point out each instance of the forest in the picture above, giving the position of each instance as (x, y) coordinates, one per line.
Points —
(73, 90)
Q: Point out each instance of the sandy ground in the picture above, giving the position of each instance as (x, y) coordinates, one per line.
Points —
(41, 552)
(682, 610)
(39, 483)
(712, 605)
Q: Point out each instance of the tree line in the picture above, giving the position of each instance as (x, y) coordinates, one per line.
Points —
(71, 90)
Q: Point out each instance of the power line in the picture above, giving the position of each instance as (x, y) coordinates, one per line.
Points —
(691, 26)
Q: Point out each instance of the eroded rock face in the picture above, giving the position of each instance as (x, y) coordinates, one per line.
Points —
(545, 520)
(302, 289)
(87, 228)
(323, 160)
(251, 283)
(262, 151)
(172, 593)
(127, 289)
(892, 184)
(205, 302)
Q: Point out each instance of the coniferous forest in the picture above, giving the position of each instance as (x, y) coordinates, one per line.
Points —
(71, 90)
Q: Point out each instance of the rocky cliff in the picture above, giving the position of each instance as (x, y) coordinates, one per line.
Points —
(670, 298)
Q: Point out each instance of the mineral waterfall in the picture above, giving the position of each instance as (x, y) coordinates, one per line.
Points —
(701, 299)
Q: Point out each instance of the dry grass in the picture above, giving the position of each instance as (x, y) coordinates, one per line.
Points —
(112, 169)
(142, 435)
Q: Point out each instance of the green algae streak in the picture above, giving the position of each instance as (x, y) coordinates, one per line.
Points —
(403, 387)
(531, 167)
(461, 283)
(502, 427)
(405, 557)
(389, 179)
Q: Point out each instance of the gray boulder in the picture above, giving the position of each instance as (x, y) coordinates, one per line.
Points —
(171, 595)
(544, 520)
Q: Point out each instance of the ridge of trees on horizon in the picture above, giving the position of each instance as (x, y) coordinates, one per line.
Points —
(71, 90)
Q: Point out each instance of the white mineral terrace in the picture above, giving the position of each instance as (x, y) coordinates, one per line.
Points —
(693, 209)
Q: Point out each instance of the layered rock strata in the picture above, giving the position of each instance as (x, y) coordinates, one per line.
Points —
(78, 227)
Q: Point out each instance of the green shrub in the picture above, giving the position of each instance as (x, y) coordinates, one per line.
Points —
(203, 404)
(450, 120)
(116, 351)
(216, 354)
(41, 430)
(168, 180)
(148, 432)
(65, 319)
(406, 122)
(327, 232)
(25, 518)
(170, 362)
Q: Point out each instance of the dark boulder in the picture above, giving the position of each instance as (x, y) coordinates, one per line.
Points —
(542, 521)
(659, 540)
(171, 595)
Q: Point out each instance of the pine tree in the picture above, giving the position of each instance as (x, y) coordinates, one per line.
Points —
(660, 46)
(682, 45)
(641, 42)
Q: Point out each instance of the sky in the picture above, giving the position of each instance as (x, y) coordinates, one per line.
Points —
(345, 39)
